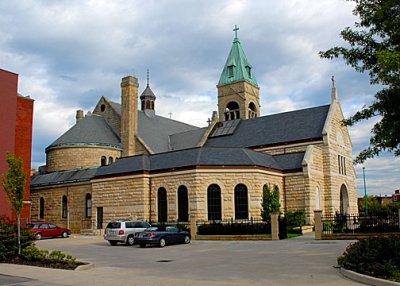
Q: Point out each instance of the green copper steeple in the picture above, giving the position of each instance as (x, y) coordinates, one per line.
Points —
(237, 68)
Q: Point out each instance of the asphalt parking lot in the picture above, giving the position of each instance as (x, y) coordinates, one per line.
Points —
(296, 261)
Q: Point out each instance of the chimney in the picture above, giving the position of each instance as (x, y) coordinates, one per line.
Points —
(79, 115)
(129, 114)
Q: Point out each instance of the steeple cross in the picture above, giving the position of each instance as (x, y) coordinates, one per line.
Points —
(235, 30)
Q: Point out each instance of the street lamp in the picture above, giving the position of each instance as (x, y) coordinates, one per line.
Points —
(365, 193)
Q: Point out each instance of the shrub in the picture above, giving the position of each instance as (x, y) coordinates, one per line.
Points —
(295, 218)
(376, 256)
(32, 253)
(9, 239)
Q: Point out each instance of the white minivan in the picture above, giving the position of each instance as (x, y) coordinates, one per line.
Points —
(124, 231)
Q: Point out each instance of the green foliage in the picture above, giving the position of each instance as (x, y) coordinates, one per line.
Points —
(9, 239)
(32, 253)
(375, 208)
(375, 47)
(270, 202)
(295, 218)
(375, 256)
(14, 182)
(219, 228)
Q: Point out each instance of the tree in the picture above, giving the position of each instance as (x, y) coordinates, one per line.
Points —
(375, 47)
(14, 186)
(270, 202)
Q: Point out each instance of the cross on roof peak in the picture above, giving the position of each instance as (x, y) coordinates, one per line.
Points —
(235, 30)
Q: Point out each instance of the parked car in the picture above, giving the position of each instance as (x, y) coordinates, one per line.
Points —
(161, 236)
(48, 230)
(123, 231)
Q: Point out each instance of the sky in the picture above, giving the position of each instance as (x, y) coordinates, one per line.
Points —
(70, 53)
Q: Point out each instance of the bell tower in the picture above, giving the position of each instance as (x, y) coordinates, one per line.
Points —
(129, 110)
(238, 91)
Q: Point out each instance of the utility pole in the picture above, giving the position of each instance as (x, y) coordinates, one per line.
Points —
(365, 194)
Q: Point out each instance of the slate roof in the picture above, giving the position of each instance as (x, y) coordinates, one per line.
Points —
(154, 130)
(90, 130)
(201, 157)
(174, 160)
(186, 140)
(55, 178)
(298, 125)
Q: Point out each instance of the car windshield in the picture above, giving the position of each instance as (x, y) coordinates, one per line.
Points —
(114, 224)
(152, 228)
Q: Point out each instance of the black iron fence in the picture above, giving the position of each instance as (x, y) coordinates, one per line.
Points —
(234, 227)
(340, 223)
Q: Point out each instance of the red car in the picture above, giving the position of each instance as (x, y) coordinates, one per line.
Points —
(49, 230)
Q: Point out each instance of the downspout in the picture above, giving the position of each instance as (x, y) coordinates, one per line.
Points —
(284, 193)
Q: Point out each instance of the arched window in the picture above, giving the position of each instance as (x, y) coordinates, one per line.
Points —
(152, 105)
(183, 204)
(147, 104)
(162, 205)
(241, 202)
(110, 160)
(232, 111)
(143, 104)
(103, 161)
(214, 202)
(344, 200)
(41, 208)
(252, 110)
(64, 207)
(88, 206)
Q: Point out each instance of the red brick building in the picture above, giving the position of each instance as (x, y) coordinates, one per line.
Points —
(16, 116)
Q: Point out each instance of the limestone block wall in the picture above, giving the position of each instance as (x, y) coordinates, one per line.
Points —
(121, 197)
(338, 143)
(296, 192)
(70, 158)
(75, 193)
(241, 92)
(198, 182)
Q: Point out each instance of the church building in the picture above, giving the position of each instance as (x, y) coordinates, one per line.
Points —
(123, 161)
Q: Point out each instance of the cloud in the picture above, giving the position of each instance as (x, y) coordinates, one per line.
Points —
(70, 53)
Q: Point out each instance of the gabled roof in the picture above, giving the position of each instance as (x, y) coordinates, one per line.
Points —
(237, 68)
(299, 125)
(187, 139)
(90, 130)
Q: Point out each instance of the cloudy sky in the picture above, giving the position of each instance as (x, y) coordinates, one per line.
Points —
(70, 53)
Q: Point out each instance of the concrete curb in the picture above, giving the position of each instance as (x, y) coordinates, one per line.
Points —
(86, 266)
(367, 279)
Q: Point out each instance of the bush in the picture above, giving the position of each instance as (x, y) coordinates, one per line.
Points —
(9, 239)
(376, 256)
(32, 253)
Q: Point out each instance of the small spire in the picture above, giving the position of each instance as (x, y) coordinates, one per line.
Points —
(333, 92)
(148, 77)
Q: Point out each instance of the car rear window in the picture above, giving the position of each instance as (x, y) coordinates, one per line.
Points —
(114, 224)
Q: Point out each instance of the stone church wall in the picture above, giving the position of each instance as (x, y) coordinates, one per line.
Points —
(197, 184)
(75, 193)
(122, 197)
(70, 158)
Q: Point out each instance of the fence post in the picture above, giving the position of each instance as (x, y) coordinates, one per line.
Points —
(318, 224)
(274, 226)
(193, 226)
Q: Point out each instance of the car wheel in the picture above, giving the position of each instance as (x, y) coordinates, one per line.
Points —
(38, 236)
(64, 234)
(162, 242)
(130, 240)
(142, 245)
(112, 242)
(187, 239)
